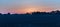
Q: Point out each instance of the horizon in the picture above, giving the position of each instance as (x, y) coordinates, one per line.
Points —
(33, 12)
(28, 6)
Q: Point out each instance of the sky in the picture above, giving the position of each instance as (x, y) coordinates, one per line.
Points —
(24, 6)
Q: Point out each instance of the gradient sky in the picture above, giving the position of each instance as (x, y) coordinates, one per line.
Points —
(23, 6)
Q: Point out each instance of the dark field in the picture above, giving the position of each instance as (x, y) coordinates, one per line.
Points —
(36, 19)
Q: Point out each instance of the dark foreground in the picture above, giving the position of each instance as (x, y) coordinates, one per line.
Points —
(30, 20)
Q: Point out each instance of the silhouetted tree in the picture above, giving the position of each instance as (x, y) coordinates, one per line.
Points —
(35, 12)
(36, 19)
(8, 13)
(55, 12)
(0, 13)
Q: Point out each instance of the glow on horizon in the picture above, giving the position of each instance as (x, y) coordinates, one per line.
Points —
(24, 6)
(29, 9)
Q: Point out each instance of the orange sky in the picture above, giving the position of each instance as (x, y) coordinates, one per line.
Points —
(25, 9)
(24, 6)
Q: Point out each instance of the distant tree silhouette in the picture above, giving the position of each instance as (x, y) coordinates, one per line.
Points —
(27, 13)
(35, 12)
(35, 19)
(8, 13)
(0, 13)
(58, 12)
(52, 12)
(55, 12)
